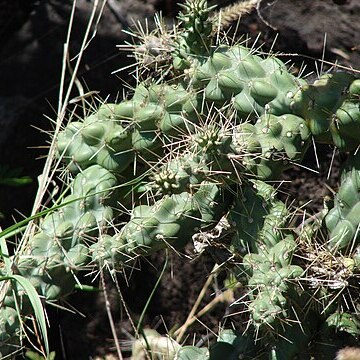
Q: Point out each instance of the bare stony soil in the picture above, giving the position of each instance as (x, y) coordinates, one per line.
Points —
(31, 46)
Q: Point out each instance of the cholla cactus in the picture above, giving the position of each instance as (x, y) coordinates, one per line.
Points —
(202, 146)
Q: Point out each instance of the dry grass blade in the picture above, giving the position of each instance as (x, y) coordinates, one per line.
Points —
(110, 317)
(190, 319)
(48, 174)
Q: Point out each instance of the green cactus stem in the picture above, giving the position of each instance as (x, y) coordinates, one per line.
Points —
(117, 133)
(272, 145)
(261, 237)
(194, 38)
(169, 223)
(322, 104)
(343, 220)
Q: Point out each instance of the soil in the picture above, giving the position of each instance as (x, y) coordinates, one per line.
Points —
(31, 45)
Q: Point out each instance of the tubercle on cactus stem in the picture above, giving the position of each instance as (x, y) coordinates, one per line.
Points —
(203, 143)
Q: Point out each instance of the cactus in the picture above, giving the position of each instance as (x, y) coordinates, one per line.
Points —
(325, 106)
(230, 345)
(203, 146)
(61, 245)
(344, 126)
(273, 144)
(169, 222)
(117, 133)
(9, 330)
(253, 84)
(342, 221)
(195, 38)
(60, 248)
(267, 247)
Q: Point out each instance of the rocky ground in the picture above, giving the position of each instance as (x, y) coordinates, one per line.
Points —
(31, 46)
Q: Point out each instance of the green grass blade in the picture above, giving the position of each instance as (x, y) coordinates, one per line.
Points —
(35, 303)
(152, 294)
(5, 254)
